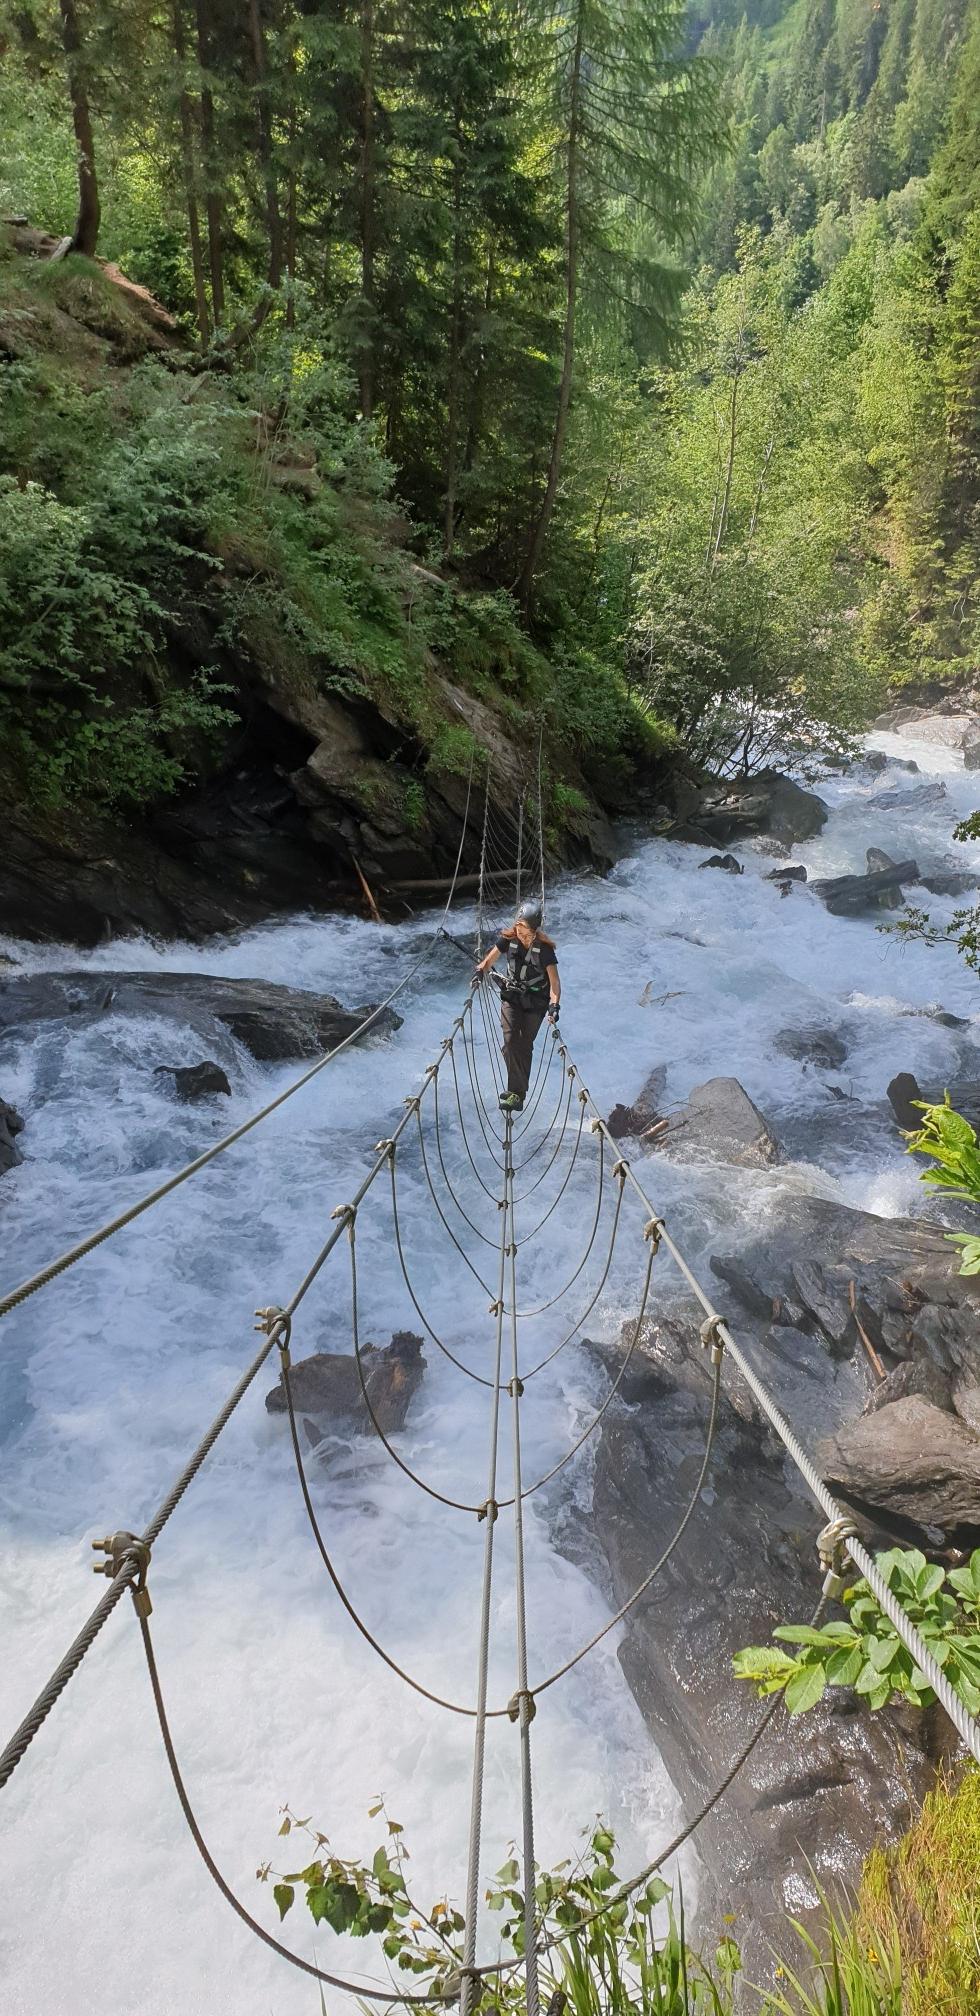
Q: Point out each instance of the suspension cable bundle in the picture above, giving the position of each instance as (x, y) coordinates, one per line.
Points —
(550, 1139)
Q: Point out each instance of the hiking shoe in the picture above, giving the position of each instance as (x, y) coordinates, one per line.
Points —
(511, 1102)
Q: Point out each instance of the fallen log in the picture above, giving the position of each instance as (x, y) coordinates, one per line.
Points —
(844, 894)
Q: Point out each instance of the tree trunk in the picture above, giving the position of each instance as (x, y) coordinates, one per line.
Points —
(264, 140)
(189, 167)
(366, 361)
(543, 520)
(475, 423)
(212, 200)
(455, 343)
(729, 470)
(291, 207)
(85, 236)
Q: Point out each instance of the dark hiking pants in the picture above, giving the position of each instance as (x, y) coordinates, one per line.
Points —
(520, 1027)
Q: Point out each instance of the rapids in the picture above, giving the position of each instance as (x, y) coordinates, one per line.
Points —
(108, 1377)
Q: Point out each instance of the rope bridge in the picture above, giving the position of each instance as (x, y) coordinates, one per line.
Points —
(506, 1161)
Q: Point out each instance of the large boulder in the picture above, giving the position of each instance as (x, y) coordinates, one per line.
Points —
(645, 1111)
(740, 808)
(328, 1397)
(952, 730)
(273, 1023)
(720, 1123)
(876, 861)
(918, 798)
(911, 1459)
(816, 1793)
(11, 1124)
(905, 1094)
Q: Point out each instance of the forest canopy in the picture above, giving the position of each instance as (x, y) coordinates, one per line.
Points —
(658, 325)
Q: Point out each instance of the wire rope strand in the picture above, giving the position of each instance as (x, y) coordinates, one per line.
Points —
(369, 1993)
(16, 1296)
(524, 1705)
(543, 1307)
(587, 1311)
(468, 1977)
(465, 1137)
(464, 1214)
(556, 1468)
(530, 1237)
(417, 1686)
(454, 1504)
(399, 1245)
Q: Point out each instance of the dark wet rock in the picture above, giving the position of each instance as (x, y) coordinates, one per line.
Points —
(912, 1460)
(823, 1047)
(875, 760)
(919, 798)
(194, 1082)
(951, 882)
(971, 752)
(274, 1023)
(645, 1111)
(788, 874)
(913, 1376)
(895, 1278)
(327, 1393)
(878, 862)
(905, 1092)
(720, 1123)
(849, 895)
(741, 808)
(11, 1124)
(725, 861)
(814, 1795)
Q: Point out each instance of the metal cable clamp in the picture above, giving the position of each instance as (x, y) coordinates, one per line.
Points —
(514, 1705)
(119, 1548)
(831, 1541)
(712, 1338)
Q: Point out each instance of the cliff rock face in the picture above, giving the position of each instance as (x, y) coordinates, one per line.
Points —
(806, 1300)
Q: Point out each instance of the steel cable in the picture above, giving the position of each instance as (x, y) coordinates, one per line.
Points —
(399, 1247)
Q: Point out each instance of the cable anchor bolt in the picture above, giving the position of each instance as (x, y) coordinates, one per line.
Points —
(831, 1541)
(712, 1338)
(524, 1698)
(490, 1510)
(654, 1231)
(119, 1548)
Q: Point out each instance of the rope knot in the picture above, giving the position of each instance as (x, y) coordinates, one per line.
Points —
(831, 1541)
(654, 1230)
(524, 1698)
(712, 1338)
(489, 1510)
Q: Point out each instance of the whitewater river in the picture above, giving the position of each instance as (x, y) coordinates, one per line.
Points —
(108, 1377)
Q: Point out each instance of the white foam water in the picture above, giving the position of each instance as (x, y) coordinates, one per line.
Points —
(108, 1377)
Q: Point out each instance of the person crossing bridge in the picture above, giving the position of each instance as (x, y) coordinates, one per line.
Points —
(529, 990)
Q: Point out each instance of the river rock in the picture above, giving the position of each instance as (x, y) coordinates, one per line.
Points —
(951, 730)
(725, 861)
(194, 1082)
(787, 874)
(921, 798)
(971, 751)
(905, 1091)
(274, 1023)
(913, 1461)
(816, 1793)
(823, 1047)
(951, 882)
(849, 895)
(739, 808)
(11, 1124)
(645, 1111)
(327, 1392)
(877, 863)
(720, 1123)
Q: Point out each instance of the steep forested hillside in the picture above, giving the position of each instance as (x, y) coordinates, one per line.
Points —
(617, 361)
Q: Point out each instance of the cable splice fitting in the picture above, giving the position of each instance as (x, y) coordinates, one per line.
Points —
(830, 1548)
(120, 1548)
(514, 1705)
(654, 1231)
(515, 1388)
(712, 1338)
(490, 1510)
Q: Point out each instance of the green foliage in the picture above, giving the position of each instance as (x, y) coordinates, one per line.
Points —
(921, 1896)
(951, 1143)
(866, 1653)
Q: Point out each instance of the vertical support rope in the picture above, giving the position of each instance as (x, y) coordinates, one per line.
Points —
(525, 1708)
(520, 849)
(468, 1978)
(540, 814)
(481, 892)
